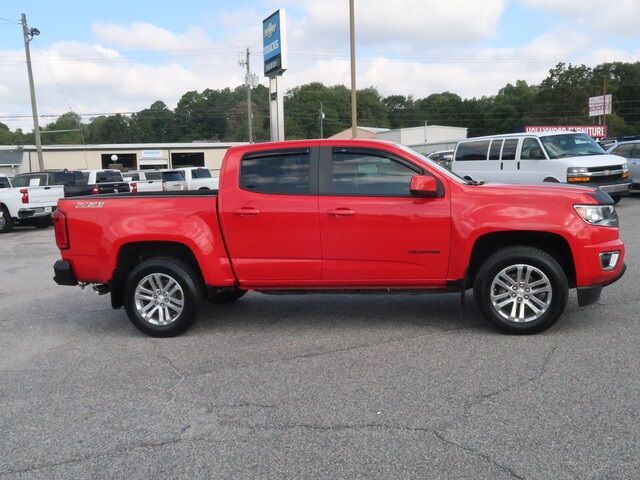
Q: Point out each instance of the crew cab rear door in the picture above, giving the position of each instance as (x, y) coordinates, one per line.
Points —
(374, 233)
(269, 210)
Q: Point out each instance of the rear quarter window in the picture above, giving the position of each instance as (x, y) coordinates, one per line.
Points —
(472, 151)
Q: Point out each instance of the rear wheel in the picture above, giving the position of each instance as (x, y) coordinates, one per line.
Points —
(521, 290)
(6, 223)
(161, 296)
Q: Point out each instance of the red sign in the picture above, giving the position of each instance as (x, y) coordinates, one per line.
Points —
(595, 131)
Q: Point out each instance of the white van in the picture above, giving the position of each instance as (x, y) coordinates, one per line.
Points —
(565, 157)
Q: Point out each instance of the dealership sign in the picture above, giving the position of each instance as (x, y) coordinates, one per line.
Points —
(595, 131)
(274, 43)
(600, 105)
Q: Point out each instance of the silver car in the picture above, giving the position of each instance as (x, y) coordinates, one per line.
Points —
(630, 151)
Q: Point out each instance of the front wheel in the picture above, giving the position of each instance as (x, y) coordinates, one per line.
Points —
(521, 290)
(161, 296)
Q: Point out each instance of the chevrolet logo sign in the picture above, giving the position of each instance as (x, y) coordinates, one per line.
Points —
(269, 29)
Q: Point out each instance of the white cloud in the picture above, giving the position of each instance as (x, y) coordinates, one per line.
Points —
(619, 16)
(410, 22)
(145, 36)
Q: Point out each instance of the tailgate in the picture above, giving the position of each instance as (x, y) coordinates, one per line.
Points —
(116, 187)
(44, 196)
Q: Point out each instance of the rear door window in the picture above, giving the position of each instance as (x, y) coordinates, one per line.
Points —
(509, 149)
(280, 173)
(472, 150)
(494, 151)
(173, 176)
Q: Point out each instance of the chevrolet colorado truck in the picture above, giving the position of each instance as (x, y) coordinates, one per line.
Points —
(341, 216)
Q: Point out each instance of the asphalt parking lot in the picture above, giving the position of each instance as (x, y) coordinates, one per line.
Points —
(313, 386)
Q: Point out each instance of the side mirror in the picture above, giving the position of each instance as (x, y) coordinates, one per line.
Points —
(424, 186)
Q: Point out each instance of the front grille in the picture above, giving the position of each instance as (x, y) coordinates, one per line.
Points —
(606, 179)
(604, 169)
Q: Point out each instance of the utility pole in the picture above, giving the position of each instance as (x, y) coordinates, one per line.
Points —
(604, 96)
(28, 34)
(321, 121)
(352, 41)
(248, 80)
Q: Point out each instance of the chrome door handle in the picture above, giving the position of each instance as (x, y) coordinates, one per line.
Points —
(247, 211)
(341, 212)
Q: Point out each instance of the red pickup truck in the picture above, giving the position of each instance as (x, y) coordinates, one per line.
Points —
(341, 215)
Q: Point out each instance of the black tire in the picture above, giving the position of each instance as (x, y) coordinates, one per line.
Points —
(42, 222)
(188, 279)
(225, 295)
(6, 222)
(530, 256)
(616, 198)
(551, 180)
(204, 188)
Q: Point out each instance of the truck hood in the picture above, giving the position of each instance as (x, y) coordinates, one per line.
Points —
(589, 161)
(546, 188)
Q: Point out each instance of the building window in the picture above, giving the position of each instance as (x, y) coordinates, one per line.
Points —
(127, 160)
(181, 160)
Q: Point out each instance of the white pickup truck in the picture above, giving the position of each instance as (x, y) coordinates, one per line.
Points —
(144, 180)
(27, 205)
(199, 178)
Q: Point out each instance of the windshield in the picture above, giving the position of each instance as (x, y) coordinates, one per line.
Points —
(571, 145)
(431, 163)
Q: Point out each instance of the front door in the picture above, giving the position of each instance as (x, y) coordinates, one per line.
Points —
(270, 218)
(374, 233)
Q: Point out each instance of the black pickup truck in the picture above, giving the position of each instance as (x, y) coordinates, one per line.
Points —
(76, 183)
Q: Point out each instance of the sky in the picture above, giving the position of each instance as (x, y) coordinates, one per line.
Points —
(98, 57)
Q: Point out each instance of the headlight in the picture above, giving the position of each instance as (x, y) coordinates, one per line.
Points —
(625, 168)
(601, 215)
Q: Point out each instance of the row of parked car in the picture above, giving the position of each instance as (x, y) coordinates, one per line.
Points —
(31, 198)
(561, 157)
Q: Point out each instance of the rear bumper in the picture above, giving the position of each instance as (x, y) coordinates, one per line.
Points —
(591, 294)
(35, 212)
(63, 273)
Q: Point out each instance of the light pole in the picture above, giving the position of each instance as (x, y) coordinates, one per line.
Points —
(28, 34)
(352, 42)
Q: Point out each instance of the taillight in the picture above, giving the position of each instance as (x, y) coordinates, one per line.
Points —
(134, 187)
(94, 190)
(60, 229)
(25, 195)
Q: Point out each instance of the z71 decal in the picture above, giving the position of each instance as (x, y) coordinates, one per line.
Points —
(89, 205)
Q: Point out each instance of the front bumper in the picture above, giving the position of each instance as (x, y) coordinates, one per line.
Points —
(63, 273)
(591, 294)
(615, 188)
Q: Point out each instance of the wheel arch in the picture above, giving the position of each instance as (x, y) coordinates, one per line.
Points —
(133, 253)
(552, 243)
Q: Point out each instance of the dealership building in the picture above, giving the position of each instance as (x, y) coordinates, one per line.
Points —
(424, 139)
(138, 156)
(130, 156)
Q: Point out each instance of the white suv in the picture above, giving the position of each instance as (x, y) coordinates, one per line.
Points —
(574, 158)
